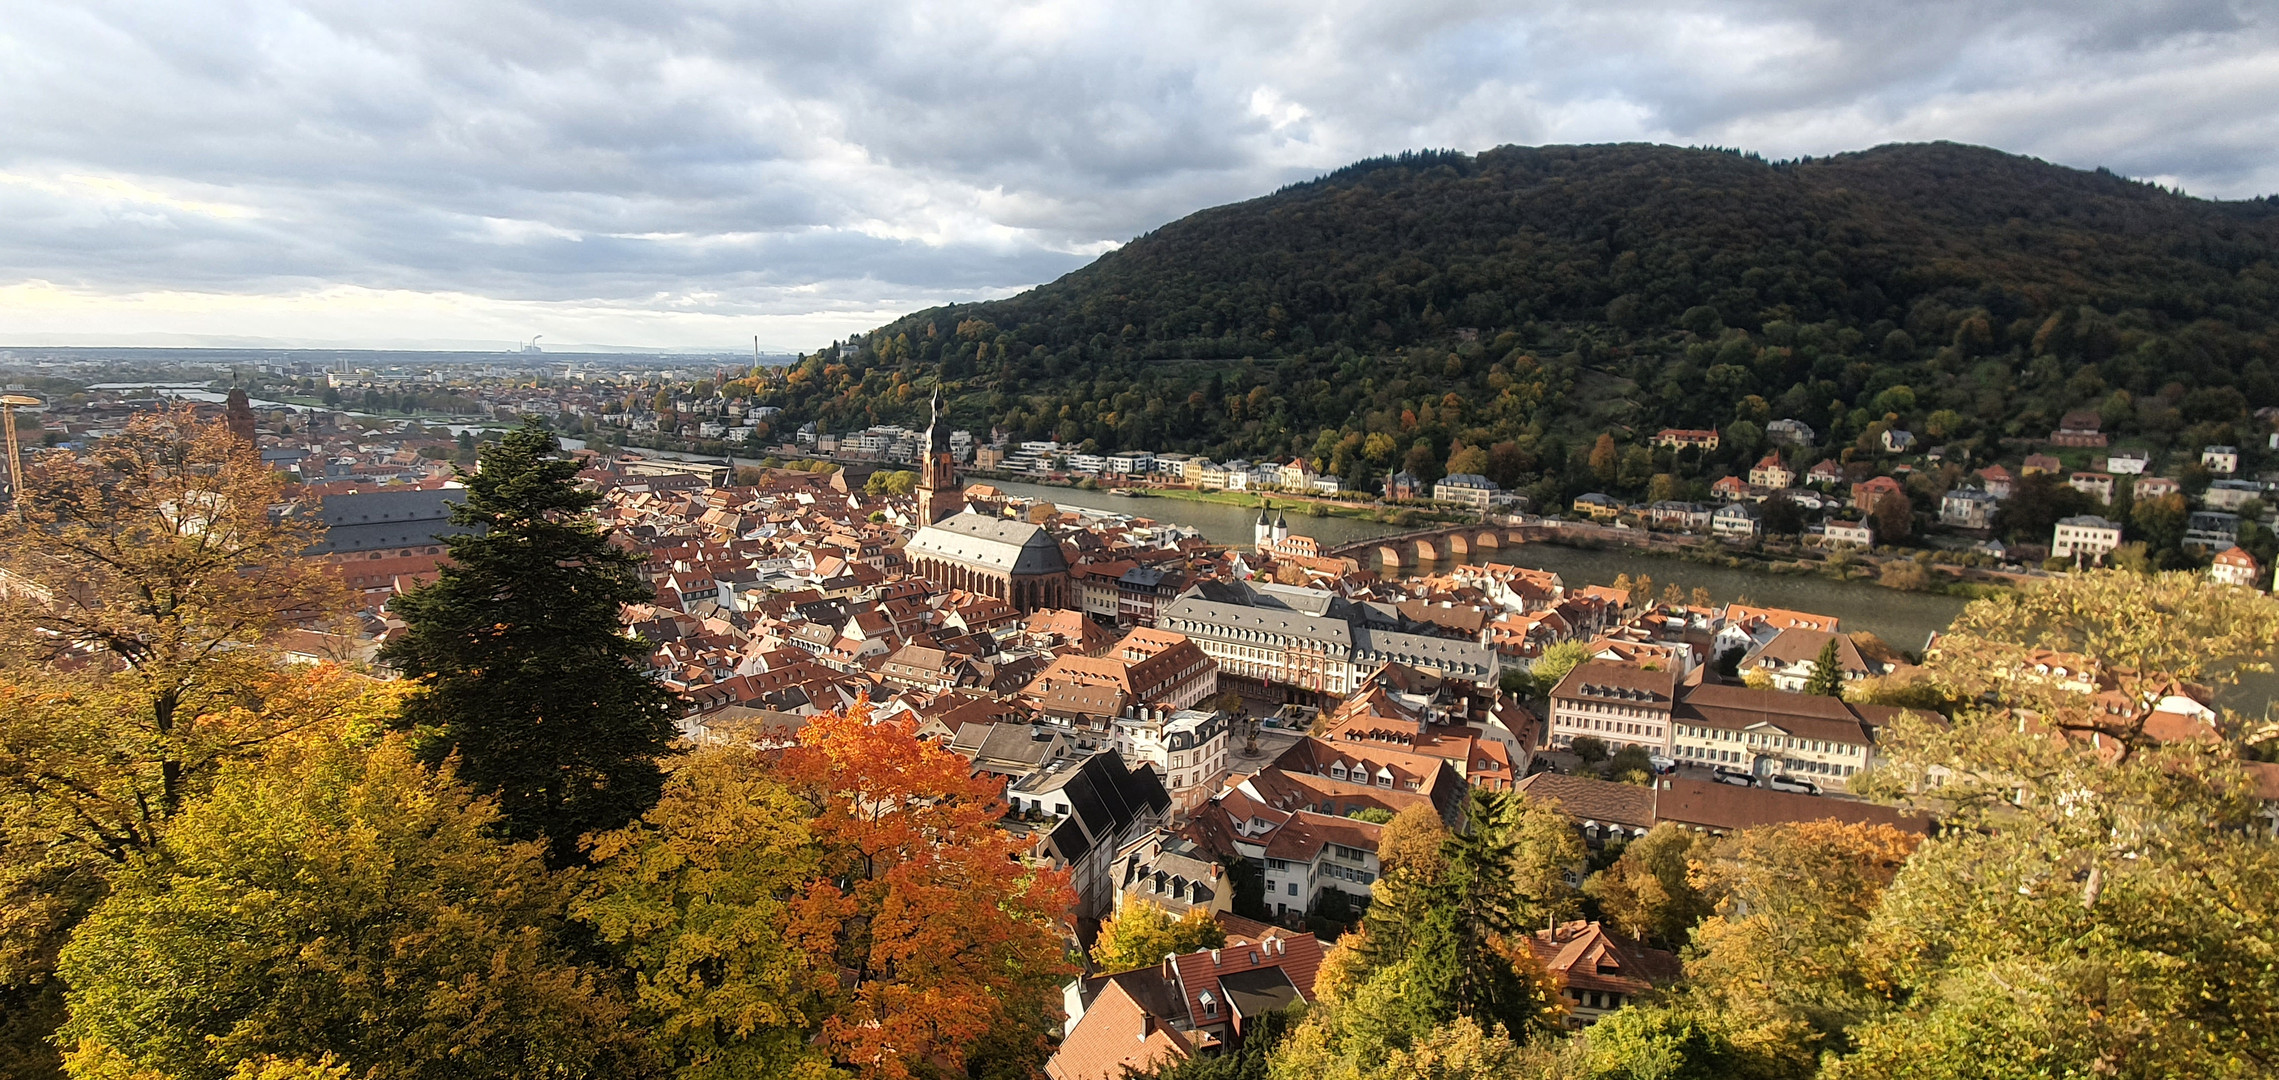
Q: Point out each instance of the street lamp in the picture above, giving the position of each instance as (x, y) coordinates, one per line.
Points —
(8, 405)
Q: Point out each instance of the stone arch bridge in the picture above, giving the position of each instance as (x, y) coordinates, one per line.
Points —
(1433, 545)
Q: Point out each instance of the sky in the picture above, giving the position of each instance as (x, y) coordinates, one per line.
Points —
(700, 173)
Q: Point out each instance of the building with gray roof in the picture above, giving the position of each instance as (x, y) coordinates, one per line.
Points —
(375, 521)
(1314, 640)
(1014, 561)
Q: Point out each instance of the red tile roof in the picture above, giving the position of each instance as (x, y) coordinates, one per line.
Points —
(1115, 1039)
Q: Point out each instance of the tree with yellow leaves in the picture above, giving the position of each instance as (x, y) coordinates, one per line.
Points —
(2142, 631)
(338, 897)
(157, 558)
(694, 900)
(137, 590)
(1143, 933)
(2100, 900)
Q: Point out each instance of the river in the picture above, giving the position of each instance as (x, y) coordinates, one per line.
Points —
(1905, 620)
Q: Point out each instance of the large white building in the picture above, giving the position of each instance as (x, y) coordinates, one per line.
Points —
(1616, 703)
(1469, 489)
(1312, 640)
(2086, 536)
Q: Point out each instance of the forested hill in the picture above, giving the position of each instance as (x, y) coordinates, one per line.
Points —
(1505, 309)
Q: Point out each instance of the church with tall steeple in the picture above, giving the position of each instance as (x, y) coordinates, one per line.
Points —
(939, 494)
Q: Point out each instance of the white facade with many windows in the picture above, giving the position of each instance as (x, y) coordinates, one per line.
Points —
(1618, 704)
(2085, 535)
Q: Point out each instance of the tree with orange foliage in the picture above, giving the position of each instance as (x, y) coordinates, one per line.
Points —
(949, 945)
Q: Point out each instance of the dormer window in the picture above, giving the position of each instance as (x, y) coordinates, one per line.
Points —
(1210, 1004)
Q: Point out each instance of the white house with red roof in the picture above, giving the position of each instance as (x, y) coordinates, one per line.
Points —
(2234, 566)
(1772, 472)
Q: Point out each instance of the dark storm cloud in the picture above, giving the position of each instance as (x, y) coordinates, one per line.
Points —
(783, 160)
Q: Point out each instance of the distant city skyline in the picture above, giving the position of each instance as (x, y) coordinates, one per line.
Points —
(675, 176)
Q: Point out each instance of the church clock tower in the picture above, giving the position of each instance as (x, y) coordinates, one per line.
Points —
(939, 494)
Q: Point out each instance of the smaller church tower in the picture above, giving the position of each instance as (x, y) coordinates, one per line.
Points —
(1281, 528)
(939, 494)
(238, 414)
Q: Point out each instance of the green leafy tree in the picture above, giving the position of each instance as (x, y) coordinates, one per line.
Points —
(1827, 678)
(1632, 764)
(2144, 628)
(1555, 662)
(2115, 894)
(525, 672)
(337, 898)
(1659, 1043)
(148, 577)
(1444, 940)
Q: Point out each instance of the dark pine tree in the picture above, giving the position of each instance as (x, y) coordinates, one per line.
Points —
(1827, 678)
(529, 677)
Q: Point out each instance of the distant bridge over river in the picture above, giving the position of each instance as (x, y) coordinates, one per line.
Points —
(1432, 545)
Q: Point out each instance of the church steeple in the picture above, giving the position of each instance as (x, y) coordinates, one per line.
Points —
(939, 494)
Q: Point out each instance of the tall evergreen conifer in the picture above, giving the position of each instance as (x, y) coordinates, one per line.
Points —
(1827, 678)
(528, 675)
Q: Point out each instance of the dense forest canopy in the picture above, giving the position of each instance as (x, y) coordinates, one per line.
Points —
(1496, 313)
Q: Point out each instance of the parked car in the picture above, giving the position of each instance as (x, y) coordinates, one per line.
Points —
(1662, 765)
(1735, 777)
(1792, 784)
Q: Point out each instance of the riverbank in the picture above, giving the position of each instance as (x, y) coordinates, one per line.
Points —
(1404, 517)
(1894, 570)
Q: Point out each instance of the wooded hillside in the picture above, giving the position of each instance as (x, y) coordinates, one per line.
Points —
(1496, 313)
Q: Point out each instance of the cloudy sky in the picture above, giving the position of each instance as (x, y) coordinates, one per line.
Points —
(692, 173)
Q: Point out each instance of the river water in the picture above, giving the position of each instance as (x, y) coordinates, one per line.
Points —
(1905, 620)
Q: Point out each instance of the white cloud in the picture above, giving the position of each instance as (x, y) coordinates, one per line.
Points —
(663, 171)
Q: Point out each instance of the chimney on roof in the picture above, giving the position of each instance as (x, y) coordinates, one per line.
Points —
(1214, 957)
(1147, 1025)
